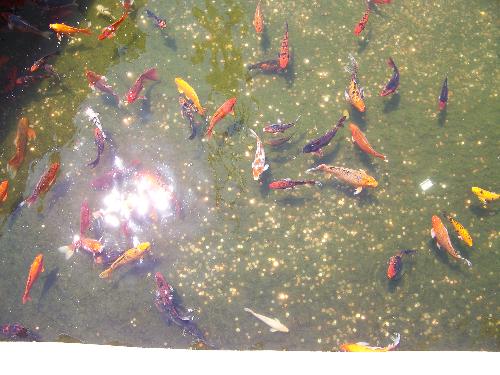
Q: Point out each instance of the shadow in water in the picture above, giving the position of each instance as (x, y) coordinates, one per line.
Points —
(480, 211)
(358, 118)
(265, 180)
(145, 110)
(170, 42)
(392, 103)
(363, 43)
(292, 201)
(442, 117)
(49, 283)
(366, 159)
(58, 191)
(265, 42)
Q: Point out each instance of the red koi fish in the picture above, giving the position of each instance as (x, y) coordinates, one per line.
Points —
(109, 31)
(23, 135)
(381, 1)
(99, 142)
(16, 331)
(359, 138)
(35, 270)
(222, 112)
(43, 185)
(362, 23)
(284, 54)
(127, 4)
(440, 233)
(133, 93)
(99, 82)
(84, 217)
(287, 183)
(396, 263)
(258, 20)
(4, 190)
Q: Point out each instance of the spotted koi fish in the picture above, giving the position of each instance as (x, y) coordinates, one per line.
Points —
(280, 128)
(485, 196)
(362, 23)
(127, 257)
(354, 93)
(393, 83)
(279, 141)
(365, 347)
(461, 232)
(258, 19)
(268, 66)
(443, 97)
(188, 109)
(284, 54)
(287, 183)
(359, 138)
(356, 178)
(259, 165)
(440, 233)
(396, 263)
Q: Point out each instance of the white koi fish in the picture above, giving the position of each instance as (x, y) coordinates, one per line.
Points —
(275, 324)
(259, 165)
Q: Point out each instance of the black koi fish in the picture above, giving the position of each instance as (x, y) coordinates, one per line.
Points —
(316, 145)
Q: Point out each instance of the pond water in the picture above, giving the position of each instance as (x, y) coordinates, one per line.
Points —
(314, 257)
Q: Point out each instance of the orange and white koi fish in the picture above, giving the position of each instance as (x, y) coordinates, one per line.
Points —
(24, 133)
(61, 29)
(4, 190)
(485, 196)
(94, 247)
(284, 55)
(365, 347)
(222, 112)
(259, 165)
(440, 233)
(127, 257)
(354, 93)
(359, 138)
(357, 178)
(461, 232)
(43, 184)
(35, 270)
(258, 20)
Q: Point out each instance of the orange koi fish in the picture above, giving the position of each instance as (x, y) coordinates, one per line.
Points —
(357, 178)
(362, 23)
(94, 247)
(109, 31)
(460, 230)
(43, 184)
(354, 93)
(365, 347)
(222, 112)
(127, 257)
(60, 29)
(359, 138)
(284, 54)
(4, 190)
(35, 270)
(440, 233)
(258, 20)
(24, 133)
(259, 165)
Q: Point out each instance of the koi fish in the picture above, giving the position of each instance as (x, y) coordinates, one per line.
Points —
(393, 83)
(109, 31)
(159, 22)
(274, 323)
(16, 331)
(188, 109)
(43, 185)
(461, 232)
(222, 112)
(99, 142)
(269, 66)
(317, 144)
(84, 217)
(362, 23)
(61, 29)
(279, 141)
(118, 173)
(35, 270)
(94, 247)
(27, 80)
(17, 23)
(99, 82)
(134, 91)
(258, 19)
(443, 97)
(287, 183)
(440, 233)
(127, 5)
(4, 190)
(49, 69)
(381, 1)
(184, 88)
(127, 257)
(354, 93)
(42, 61)
(259, 165)
(359, 138)
(23, 135)
(396, 263)
(357, 178)
(101, 10)
(365, 347)
(485, 196)
(94, 117)
(284, 54)
(280, 128)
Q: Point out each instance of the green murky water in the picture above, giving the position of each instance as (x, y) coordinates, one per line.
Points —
(315, 258)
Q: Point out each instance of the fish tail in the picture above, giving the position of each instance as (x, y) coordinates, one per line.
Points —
(468, 262)
(152, 75)
(253, 134)
(105, 274)
(248, 310)
(390, 62)
(310, 170)
(68, 251)
(26, 297)
(317, 183)
(407, 252)
(30, 200)
(94, 163)
(87, 31)
(193, 130)
(395, 341)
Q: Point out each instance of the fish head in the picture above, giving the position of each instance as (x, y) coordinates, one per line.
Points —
(436, 222)
(369, 181)
(144, 246)
(353, 128)
(478, 191)
(359, 104)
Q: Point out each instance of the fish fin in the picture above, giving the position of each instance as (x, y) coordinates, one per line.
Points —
(248, 310)
(352, 140)
(346, 95)
(468, 262)
(266, 167)
(59, 36)
(31, 134)
(433, 233)
(68, 251)
(358, 190)
(105, 274)
(232, 112)
(46, 34)
(273, 330)
(317, 183)
(386, 160)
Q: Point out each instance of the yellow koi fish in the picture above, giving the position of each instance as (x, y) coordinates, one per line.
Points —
(461, 232)
(183, 87)
(485, 196)
(365, 347)
(127, 257)
(356, 178)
